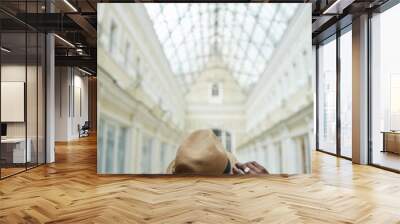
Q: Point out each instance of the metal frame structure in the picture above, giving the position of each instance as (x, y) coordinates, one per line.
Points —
(339, 32)
(44, 75)
(245, 33)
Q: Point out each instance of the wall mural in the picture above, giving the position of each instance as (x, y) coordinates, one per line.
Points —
(205, 89)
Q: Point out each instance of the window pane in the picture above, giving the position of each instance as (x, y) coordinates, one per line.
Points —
(110, 149)
(146, 154)
(163, 149)
(228, 142)
(327, 97)
(31, 101)
(14, 70)
(345, 94)
(385, 85)
(121, 149)
(227, 29)
(101, 146)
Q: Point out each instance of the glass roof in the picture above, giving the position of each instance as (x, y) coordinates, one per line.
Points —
(244, 35)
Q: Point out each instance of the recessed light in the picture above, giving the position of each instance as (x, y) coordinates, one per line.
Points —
(337, 7)
(64, 40)
(84, 71)
(70, 5)
(5, 50)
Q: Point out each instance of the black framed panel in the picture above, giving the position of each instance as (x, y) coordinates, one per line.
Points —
(22, 62)
(344, 108)
(338, 95)
(340, 29)
(384, 87)
(326, 95)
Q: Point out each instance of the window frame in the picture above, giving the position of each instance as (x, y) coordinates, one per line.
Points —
(334, 37)
(379, 10)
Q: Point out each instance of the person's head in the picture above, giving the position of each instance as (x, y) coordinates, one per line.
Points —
(202, 153)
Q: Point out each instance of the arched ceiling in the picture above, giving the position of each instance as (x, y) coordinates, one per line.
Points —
(244, 35)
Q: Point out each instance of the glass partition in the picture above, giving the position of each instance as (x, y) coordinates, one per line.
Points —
(23, 91)
(31, 98)
(14, 148)
(41, 96)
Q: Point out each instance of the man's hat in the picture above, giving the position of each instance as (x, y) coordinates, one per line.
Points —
(202, 153)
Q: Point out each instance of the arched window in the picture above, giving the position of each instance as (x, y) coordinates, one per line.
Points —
(127, 54)
(215, 90)
(112, 40)
(228, 141)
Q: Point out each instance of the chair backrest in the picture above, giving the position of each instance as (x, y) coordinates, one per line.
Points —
(86, 124)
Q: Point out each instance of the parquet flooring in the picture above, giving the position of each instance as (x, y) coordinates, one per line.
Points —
(70, 191)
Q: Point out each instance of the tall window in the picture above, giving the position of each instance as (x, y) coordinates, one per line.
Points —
(163, 159)
(346, 94)
(110, 148)
(101, 145)
(113, 30)
(215, 90)
(215, 95)
(327, 96)
(385, 89)
(127, 53)
(147, 147)
(121, 149)
(278, 158)
(228, 141)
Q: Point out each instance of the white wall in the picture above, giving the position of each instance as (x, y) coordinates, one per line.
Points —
(279, 109)
(70, 84)
(205, 113)
(137, 92)
(33, 126)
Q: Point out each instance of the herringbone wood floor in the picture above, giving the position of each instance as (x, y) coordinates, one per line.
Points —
(70, 191)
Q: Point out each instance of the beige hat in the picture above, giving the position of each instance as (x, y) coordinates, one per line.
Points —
(202, 153)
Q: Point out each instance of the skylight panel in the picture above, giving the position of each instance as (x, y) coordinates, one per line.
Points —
(266, 50)
(153, 10)
(258, 36)
(242, 79)
(267, 12)
(259, 65)
(253, 9)
(182, 8)
(244, 35)
(186, 68)
(241, 9)
(252, 52)
(163, 33)
(248, 24)
(248, 67)
(276, 31)
(289, 9)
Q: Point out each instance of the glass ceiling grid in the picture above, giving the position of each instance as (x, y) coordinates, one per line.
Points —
(243, 35)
